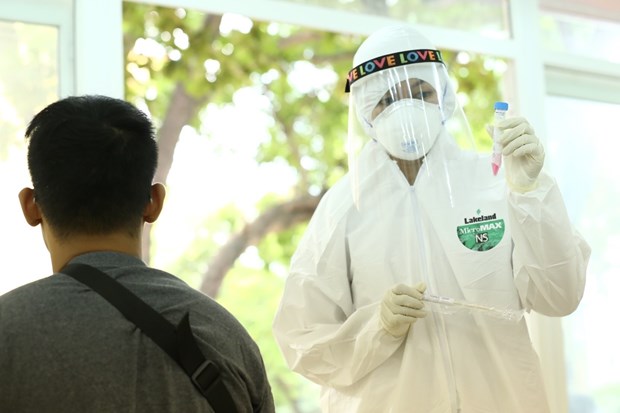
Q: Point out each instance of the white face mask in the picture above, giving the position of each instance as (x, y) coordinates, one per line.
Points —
(407, 129)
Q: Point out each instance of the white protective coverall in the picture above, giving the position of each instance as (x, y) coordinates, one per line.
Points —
(328, 325)
(328, 322)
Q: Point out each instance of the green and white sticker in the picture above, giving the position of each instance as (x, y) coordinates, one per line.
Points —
(481, 233)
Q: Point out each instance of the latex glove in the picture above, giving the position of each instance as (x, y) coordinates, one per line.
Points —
(401, 307)
(523, 153)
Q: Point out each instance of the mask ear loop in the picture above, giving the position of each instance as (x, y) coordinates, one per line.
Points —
(444, 118)
(367, 122)
(370, 126)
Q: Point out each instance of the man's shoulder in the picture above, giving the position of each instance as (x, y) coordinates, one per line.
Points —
(27, 292)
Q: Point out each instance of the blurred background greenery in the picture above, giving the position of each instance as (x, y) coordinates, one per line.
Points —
(187, 69)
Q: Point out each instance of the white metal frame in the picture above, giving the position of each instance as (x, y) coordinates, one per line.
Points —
(543, 71)
(99, 63)
(91, 61)
(537, 74)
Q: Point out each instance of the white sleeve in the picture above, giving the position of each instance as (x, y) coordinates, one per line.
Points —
(550, 257)
(320, 332)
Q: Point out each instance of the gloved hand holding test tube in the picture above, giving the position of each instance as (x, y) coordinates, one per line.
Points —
(506, 314)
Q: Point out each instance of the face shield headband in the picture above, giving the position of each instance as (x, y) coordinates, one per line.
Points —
(390, 61)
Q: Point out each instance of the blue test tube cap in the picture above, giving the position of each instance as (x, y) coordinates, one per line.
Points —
(501, 106)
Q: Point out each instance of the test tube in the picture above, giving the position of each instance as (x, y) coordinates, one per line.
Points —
(505, 314)
(496, 158)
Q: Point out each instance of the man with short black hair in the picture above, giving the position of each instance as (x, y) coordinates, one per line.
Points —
(67, 345)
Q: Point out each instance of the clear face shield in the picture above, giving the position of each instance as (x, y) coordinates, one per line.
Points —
(405, 104)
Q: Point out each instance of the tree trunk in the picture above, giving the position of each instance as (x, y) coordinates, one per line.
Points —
(180, 112)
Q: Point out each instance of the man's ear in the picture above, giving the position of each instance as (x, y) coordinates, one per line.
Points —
(155, 205)
(30, 209)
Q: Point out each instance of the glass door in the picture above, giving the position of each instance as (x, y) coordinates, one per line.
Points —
(583, 146)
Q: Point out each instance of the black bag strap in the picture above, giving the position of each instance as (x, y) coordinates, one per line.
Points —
(179, 342)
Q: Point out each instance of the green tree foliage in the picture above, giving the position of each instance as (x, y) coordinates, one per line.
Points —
(180, 63)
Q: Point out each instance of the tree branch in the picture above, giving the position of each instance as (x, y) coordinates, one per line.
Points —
(276, 219)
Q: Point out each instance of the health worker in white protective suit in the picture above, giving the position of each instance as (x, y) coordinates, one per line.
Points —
(421, 214)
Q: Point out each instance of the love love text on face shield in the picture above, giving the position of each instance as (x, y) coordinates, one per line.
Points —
(391, 60)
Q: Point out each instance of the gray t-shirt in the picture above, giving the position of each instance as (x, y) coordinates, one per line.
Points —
(63, 348)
